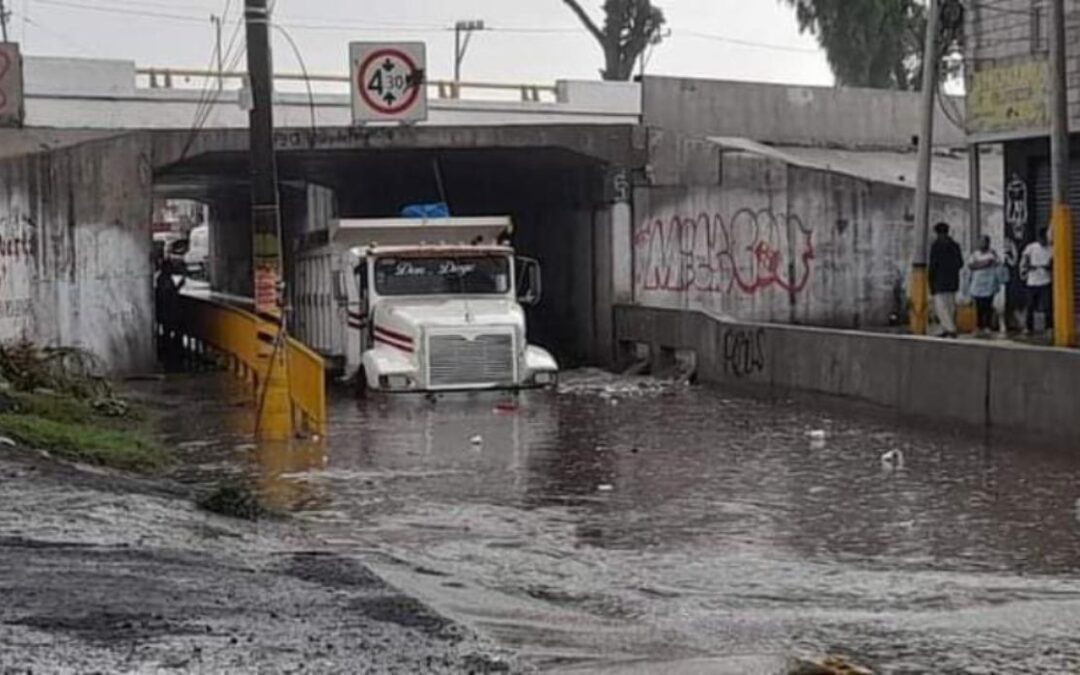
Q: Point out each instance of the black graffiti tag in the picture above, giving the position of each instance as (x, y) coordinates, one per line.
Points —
(744, 351)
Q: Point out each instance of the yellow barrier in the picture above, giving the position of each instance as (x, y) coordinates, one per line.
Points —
(230, 333)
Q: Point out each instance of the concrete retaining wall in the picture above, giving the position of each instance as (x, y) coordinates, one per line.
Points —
(777, 113)
(775, 242)
(1020, 389)
(75, 250)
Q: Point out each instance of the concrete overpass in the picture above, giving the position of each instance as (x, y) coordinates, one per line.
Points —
(650, 194)
(110, 94)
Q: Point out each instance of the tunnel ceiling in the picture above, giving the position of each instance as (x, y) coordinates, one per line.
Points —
(383, 179)
(552, 158)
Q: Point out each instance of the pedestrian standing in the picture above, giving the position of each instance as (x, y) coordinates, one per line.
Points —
(946, 261)
(1035, 266)
(985, 266)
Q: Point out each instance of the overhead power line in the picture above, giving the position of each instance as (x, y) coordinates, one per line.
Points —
(300, 23)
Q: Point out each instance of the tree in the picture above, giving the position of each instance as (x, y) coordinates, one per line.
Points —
(879, 43)
(630, 27)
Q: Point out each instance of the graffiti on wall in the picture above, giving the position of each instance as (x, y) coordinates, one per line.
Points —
(744, 351)
(18, 244)
(753, 251)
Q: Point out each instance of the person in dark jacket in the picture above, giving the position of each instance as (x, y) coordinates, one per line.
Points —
(946, 262)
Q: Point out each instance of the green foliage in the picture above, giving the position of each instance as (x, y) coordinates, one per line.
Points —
(233, 497)
(84, 442)
(879, 43)
(629, 28)
(27, 367)
(54, 399)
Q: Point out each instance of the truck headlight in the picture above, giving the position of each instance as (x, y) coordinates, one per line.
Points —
(544, 377)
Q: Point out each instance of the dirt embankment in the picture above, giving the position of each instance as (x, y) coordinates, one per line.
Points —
(104, 571)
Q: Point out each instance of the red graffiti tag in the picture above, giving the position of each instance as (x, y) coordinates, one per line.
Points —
(754, 251)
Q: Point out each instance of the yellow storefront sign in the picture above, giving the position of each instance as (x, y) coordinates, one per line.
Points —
(1009, 98)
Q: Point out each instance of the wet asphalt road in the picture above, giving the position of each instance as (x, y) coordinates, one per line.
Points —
(615, 528)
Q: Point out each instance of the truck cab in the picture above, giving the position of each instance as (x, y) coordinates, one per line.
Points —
(440, 316)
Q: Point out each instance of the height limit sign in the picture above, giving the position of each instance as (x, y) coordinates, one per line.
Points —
(388, 82)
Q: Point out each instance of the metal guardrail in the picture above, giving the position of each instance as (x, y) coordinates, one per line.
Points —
(215, 329)
(165, 78)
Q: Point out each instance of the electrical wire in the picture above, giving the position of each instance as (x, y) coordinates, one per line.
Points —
(744, 43)
(304, 70)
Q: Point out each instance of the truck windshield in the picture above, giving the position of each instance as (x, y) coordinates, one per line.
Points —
(474, 275)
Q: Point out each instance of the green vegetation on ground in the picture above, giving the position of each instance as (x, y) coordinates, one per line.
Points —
(52, 400)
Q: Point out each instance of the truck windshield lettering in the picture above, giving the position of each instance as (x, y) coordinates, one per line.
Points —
(489, 275)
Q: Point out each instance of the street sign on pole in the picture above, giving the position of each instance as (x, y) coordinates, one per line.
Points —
(388, 81)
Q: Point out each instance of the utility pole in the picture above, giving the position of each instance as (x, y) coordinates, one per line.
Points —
(274, 419)
(975, 196)
(920, 292)
(466, 27)
(3, 22)
(216, 20)
(1061, 218)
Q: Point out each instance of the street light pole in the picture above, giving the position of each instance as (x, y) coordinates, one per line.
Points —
(216, 20)
(1061, 218)
(466, 27)
(919, 292)
(3, 22)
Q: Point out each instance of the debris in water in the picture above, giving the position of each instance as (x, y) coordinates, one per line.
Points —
(477, 440)
(4, 440)
(506, 407)
(817, 434)
(893, 459)
(606, 487)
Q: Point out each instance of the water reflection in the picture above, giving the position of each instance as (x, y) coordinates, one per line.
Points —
(282, 476)
(707, 522)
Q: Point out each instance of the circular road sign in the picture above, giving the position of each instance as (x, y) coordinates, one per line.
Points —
(389, 81)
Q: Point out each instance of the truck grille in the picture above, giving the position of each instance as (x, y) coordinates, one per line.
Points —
(455, 360)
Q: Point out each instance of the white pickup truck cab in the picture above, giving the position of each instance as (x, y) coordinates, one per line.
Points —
(437, 306)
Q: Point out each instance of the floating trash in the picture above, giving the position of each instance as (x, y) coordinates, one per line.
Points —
(893, 459)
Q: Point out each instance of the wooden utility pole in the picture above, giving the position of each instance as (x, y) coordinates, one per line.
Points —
(1061, 218)
(274, 420)
(919, 291)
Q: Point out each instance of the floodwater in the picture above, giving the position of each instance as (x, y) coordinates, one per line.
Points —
(623, 526)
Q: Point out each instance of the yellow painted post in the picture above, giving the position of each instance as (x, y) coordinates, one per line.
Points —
(919, 318)
(274, 414)
(919, 295)
(1064, 296)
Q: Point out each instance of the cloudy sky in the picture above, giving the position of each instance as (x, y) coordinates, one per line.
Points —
(529, 41)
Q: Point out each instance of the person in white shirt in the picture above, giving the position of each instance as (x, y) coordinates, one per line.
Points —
(1036, 265)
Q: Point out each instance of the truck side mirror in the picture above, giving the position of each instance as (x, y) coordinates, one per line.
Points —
(529, 282)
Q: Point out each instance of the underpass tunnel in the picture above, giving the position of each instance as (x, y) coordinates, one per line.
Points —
(556, 198)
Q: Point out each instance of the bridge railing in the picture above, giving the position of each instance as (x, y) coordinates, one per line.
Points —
(227, 334)
(186, 78)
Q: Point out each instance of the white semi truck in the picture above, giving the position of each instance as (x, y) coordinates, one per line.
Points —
(412, 305)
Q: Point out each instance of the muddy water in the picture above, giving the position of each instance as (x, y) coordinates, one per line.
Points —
(613, 527)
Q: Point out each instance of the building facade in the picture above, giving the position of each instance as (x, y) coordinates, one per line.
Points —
(1008, 83)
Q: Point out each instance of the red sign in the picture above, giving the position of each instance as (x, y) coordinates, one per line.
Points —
(388, 82)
